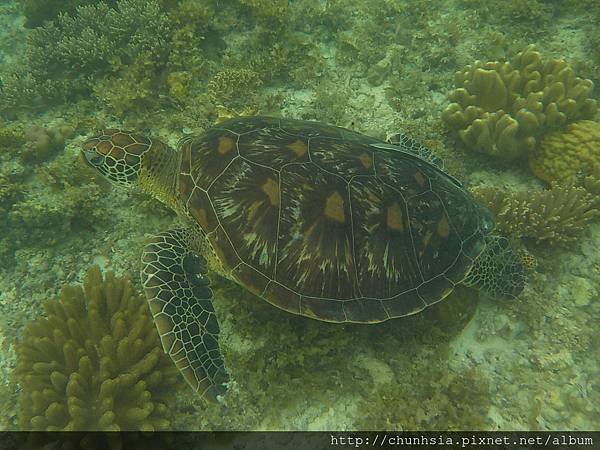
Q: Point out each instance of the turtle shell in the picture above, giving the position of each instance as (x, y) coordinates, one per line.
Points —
(320, 221)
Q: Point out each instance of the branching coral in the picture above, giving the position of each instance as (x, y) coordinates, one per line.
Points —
(502, 109)
(19, 88)
(592, 185)
(97, 34)
(131, 89)
(39, 11)
(95, 362)
(69, 55)
(556, 215)
(233, 88)
(564, 156)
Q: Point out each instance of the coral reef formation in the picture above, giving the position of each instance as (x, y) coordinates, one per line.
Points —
(39, 11)
(563, 156)
(233, 87)
(69, 55)
(557, 215)
(41, 142)
(43, 203)
(592, 185)
(503, 108)
(95, 362)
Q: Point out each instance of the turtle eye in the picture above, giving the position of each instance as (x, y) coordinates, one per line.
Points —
(96, 160)
(488, 224)
(93, 157)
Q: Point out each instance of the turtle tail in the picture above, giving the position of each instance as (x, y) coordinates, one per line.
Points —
(499, 270)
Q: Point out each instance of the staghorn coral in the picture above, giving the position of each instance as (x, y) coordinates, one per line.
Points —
(95, 362)
(68, 56)
(97, 35)
(556, 216)
(502, 109)
(563, 156)
(20, 89)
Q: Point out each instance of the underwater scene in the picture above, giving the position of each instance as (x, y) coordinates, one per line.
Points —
(346, 214)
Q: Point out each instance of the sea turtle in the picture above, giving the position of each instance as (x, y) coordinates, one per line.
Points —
(317, 220)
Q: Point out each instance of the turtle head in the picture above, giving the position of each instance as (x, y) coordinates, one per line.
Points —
(119, 155)
(500, 270)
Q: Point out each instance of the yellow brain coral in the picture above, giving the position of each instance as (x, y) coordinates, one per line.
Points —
(502, 109)
(95, 362)
(562, 156)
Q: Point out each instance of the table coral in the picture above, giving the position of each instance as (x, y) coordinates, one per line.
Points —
(556, 215)
(563, 156)
(503, 108)
(94, 362)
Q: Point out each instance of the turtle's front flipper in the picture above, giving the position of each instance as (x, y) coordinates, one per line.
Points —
(180, 299)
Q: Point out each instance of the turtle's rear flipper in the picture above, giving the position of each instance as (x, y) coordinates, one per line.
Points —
(499, 270)
(180, 299)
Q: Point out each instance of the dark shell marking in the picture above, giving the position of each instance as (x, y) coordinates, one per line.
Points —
(319, 222)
